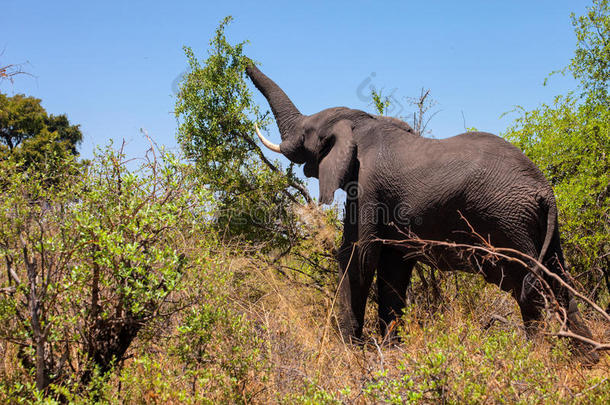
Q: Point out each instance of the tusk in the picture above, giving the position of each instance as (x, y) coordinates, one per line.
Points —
(273, 146)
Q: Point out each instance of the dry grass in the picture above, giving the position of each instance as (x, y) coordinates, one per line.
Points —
(268, 337)
(472, 349)
(300, 356)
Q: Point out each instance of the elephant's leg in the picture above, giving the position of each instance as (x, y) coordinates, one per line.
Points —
(348, 261)
(350, 292)
(354, 286)
(523, 286)
(566, 300)
(531, 302)
(529, 295)
(531, 313)
(393, 278)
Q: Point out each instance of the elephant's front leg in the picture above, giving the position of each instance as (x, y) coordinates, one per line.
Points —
(355, 277)
(393, 278)
(354, 285)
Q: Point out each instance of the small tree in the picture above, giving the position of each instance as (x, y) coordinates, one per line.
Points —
(380, 102)
(570, 141)
(33, 137)
(90, 260)
(217, 117)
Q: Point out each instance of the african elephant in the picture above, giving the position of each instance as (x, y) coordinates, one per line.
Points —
(398, 183)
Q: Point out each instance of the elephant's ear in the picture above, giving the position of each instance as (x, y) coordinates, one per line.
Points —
(335, 166)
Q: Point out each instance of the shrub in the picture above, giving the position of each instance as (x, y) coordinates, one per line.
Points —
(91, 259)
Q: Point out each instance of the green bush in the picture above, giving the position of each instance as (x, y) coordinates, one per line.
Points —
(466, 364)
(570, 141)
(217, 115)
(91, 260)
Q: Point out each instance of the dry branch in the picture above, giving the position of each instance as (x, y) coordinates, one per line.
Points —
(489, 252)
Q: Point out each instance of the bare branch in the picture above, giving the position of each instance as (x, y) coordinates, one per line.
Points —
(9, 72)
(489, 252)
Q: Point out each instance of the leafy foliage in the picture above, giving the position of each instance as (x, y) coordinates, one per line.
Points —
(464, 364)
(570, 141)
(591, 62)
(90, 261)
(35, 138)
(216, 130)
(380, 102)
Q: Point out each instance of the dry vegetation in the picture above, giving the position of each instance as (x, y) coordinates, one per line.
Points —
(472, 349)
(224, 321)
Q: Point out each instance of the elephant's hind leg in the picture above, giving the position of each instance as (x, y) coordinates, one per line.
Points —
(529, 294)
(393, 278)
(566, 300)
(532, 302)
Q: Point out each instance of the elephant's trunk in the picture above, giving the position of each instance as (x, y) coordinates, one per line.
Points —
(286, 114)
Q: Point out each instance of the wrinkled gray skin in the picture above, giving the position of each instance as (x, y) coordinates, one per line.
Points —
(397, 179)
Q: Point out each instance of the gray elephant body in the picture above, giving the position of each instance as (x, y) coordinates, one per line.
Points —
(399, 183)
(437, 190)
(428, 185)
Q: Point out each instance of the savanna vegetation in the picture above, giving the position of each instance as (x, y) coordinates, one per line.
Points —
(210, 277)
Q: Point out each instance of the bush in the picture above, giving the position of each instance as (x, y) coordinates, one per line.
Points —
(90, 261)
(570, 141)
(217, 117)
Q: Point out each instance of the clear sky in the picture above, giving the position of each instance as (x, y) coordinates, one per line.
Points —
(111, 66)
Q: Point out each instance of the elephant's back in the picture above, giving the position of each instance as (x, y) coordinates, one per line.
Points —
(494, 158)
(474, 177)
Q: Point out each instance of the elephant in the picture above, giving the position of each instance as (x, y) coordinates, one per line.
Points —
(399, 183)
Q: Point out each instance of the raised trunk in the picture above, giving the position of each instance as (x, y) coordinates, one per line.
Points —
(286, 114)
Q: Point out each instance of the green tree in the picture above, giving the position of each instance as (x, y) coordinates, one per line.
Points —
(217, 116)
(31, 135)
(591, 62)
(570, 141)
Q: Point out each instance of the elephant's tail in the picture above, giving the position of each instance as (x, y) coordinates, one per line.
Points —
(551, 222)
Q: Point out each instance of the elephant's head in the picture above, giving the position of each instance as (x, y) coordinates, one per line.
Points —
(323, 141)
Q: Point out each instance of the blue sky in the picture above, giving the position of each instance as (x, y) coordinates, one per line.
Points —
(110, 65)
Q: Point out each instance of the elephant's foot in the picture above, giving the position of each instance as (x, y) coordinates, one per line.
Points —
(582, 350)
(533, 322)
(585, 356)
(349, 330)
